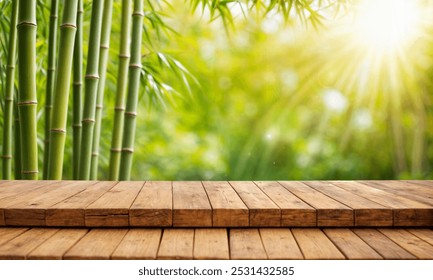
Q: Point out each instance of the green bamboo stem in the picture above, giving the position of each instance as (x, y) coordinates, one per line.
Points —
(51, 70)
(103, 58)
(132, 99)
(9, 95)
(17, 143)
(27, 101)
(90, 90)
(122, 81)
(77, 91)
(61, 91)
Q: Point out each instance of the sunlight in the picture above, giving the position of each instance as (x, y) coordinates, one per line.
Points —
(386, 25)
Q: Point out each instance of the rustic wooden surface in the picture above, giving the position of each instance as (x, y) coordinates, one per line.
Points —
(217, 204)
(216, 243)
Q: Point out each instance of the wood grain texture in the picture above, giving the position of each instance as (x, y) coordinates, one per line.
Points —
(263, 211)
(112, 208)
(353, 247)
(246, 244)
(366, 212)
(410, 243)
(406, 212)
(315, 245)
(19, 247)
(424, 234)
(176, 244)
(153, 206)
(228, 209)
(411, 191)
(280, 244)
(7, 233)
(383, 245)
(211, 244)
(294, 211)
(191, 207)
(32, 212)
(71, 211)
(138, 244)
(330, 212)
(98, 244)
(57, 245)
(21, 191)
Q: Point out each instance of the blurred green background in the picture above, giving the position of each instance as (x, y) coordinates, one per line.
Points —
(269, 99)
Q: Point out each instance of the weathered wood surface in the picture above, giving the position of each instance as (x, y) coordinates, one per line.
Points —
(217, 204)
(216, 243)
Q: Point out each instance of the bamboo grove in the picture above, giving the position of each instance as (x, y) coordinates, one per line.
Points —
(66, 75)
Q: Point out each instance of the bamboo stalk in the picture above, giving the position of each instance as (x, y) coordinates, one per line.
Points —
(90, 90)
(9, 95)
(122, 80)
(17, 143)
(51, 71)
(61, 91)
(132, 99)
(27, 101)
(103, 58)
(77, 91)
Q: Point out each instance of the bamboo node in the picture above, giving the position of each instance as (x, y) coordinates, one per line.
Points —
(51, 69)
(135, 65)
(77, 83)
(119, 108)
(88, 120)
(6, 156)
(11, 66)
(65, 25)
(131, 114)
(9, 99)
(105, 47)
(27, 103)
(99, 107)
(76, 125)
(114, 150)
(24, 23)
(58, 130)
(128, 150)
(124, 56)
(140, 14)
(29, 171)
(95, 154)
(94, 77)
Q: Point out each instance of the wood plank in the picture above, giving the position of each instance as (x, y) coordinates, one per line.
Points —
(153, 206)
(329, 211)
(410, 242)
(404, 189)
(176, 244)
(112, 208)
(425, 183)
(97, 244)
(14, 191)
(387, 248)
(294, 211)
(406, 212)
(191, 207)
(366, 212)
(245, 244)
(138, 244)
(7, 234)
(228, 209)
(263, 211)
(315, 245)
(57, 245)
(424, 234)
(280, 244)
(31, 212)
(19, 247)
(353, 247)
(211, 244)
(70, 212)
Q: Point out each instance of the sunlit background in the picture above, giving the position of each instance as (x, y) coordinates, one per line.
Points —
(346, 97)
